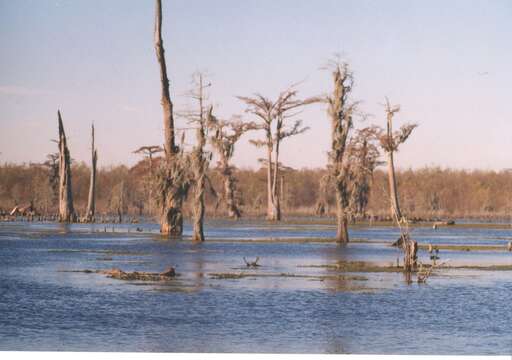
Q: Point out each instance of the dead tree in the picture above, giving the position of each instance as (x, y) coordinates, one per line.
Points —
(52, 165)
(172, 178)
(91, 202)
(66, 209)
(341, 112)
(118, 203)
(364, 155)
(148, 152)
(273, 116)
(322, 204)
(390, 141)
(225, 136)
(199, 159)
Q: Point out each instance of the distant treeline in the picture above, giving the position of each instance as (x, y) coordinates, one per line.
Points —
(424, 193)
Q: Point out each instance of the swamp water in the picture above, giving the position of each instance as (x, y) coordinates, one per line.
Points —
(292, 303)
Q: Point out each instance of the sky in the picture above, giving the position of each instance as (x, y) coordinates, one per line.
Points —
(447, 63)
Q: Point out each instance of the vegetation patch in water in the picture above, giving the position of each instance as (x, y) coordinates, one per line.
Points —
(94, 251)
(356, 266)
(466, 247)
(241, 275)
(119, 274)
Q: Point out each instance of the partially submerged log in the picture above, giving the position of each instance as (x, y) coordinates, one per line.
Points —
(22, 210)
(252, 263)
(119, 274)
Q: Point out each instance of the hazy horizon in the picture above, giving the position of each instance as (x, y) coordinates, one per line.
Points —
(447, 64)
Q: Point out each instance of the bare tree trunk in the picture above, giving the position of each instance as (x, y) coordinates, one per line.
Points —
(410, 248)
(199, 164)
(171, 218)
(282, 193)
(276, 203)
(229, 190)
(393, 191)
(120, 204)
(270, 199)
(66, 209)
(341, 219)
(198, 234)
(91, 202)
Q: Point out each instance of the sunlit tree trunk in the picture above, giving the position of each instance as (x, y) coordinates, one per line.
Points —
(66, 209)
(91, 202)
(199, 167)
(229, 191)
(171, 201)
(271, 208)
(340, 112)
(393, 190)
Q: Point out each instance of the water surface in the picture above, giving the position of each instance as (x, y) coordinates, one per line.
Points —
(45, 307)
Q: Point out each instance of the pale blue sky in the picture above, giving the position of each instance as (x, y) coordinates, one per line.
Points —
(448, 63)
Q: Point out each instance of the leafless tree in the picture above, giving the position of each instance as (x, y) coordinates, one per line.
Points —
(52, 166)
(91, 202)
(322, 204)
(390, 141)
(66, 209)
(364, 158)
(149, 151)
(172, 179)
(118, 203)
(225, 136)
(199, 158)
(273, 116)
(149, 179)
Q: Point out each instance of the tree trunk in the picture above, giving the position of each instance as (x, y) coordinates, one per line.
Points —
(198, 234)
(66, 209)
(91, 202)
(276, 203)
(229, 189)
(270, 200)
(393, 191)
(341, 220)
(171, 218)
(410, 248)
(342, 206)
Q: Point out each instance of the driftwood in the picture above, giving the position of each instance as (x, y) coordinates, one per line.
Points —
(119, 274)
(252, 263)
(23, 210)
(436, 224)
